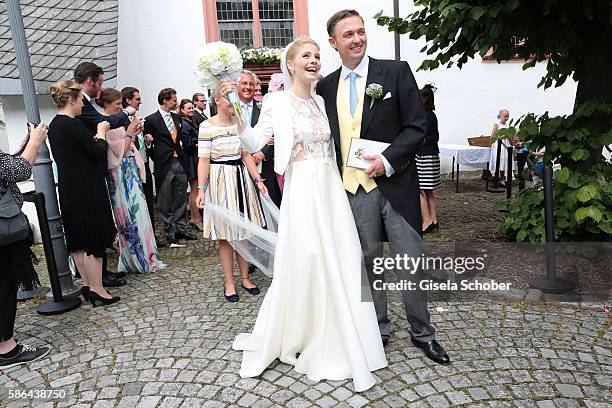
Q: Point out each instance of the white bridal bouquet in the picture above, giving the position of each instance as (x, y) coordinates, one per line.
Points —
(220, 61)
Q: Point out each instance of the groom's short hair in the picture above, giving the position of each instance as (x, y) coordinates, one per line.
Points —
(340, 15)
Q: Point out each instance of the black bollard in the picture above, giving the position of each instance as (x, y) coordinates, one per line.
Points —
(550, 284)
(496, 187)
(29, 291)
(60, 303)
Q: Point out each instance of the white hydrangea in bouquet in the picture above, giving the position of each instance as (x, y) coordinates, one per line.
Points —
(220, 61)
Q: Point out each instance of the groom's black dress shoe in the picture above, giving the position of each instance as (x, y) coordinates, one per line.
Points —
(186, 236)
(385, 340)
(433, 351)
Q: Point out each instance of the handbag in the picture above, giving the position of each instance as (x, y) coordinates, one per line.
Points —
(14, 225)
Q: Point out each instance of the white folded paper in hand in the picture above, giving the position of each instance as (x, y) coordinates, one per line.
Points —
(363, 147)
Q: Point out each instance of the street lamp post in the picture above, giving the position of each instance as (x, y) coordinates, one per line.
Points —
(43, 172)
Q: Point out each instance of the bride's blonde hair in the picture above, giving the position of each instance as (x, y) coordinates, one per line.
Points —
(295, 46)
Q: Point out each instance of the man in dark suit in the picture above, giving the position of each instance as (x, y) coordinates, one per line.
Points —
(199, 104)
(166, 151)
(384, 197)
(246, 93)
(90, 76)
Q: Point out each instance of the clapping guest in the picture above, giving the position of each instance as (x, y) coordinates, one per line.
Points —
(130, 96)
(190, 146)
(428, 163)
(225, 182)
(126, 169)
(91, 77)
(15, 257)
(86, 211)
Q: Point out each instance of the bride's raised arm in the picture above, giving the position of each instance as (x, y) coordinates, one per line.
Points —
(255, 138)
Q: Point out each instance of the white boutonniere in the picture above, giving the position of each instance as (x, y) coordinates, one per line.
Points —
(375, 92)
(258, 104)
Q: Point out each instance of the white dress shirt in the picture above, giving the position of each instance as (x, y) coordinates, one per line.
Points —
(362, 76)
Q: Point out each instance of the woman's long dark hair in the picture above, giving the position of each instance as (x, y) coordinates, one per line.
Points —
(427, 95)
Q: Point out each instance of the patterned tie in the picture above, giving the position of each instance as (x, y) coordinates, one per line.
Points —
(169, 122)
(353, 98)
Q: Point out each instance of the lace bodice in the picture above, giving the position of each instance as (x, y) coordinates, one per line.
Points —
(311, 132)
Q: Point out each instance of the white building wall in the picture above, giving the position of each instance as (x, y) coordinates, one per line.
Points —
(158, 40)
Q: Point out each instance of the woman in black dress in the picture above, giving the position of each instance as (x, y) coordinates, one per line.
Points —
(428, 163)
(81, 166)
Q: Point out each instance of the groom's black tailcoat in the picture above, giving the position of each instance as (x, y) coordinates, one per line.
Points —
(399, 120)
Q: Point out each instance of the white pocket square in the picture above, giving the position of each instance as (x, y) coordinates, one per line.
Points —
(387, 96)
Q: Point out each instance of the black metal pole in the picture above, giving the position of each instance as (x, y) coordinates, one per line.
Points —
(43, 172)
(396, 36)
(457, 179)
(60, 303)
(29, 291)
(549, 227)
(550, 284)
(509, 173)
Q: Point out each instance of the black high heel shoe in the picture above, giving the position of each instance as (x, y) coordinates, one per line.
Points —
(436, 227)
(94, 297)
(253, 291)
(85, 292)
(431, 228)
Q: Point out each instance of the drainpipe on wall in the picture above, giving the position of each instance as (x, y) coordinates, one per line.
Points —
(396, 36)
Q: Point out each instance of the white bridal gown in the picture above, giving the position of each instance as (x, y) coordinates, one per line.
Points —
(312, 316)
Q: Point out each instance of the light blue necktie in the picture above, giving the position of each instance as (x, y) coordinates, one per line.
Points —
(169, 122)
(353, 98)
(248, 114)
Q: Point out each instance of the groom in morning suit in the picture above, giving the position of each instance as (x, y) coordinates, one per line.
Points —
(384, 197)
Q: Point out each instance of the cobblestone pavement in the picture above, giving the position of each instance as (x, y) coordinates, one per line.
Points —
(167, 343)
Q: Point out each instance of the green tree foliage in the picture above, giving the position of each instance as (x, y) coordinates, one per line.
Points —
(574, 38)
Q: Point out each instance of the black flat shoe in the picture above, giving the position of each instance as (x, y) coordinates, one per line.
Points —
(231, 298)
(85, 292)
(95, 297)
(385, 340)
(253, 291)
(433, 350)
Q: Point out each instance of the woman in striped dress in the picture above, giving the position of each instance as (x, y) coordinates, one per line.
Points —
(225, 171)
(428, 163)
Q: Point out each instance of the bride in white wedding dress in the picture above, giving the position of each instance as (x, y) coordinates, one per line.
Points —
(312, 316)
